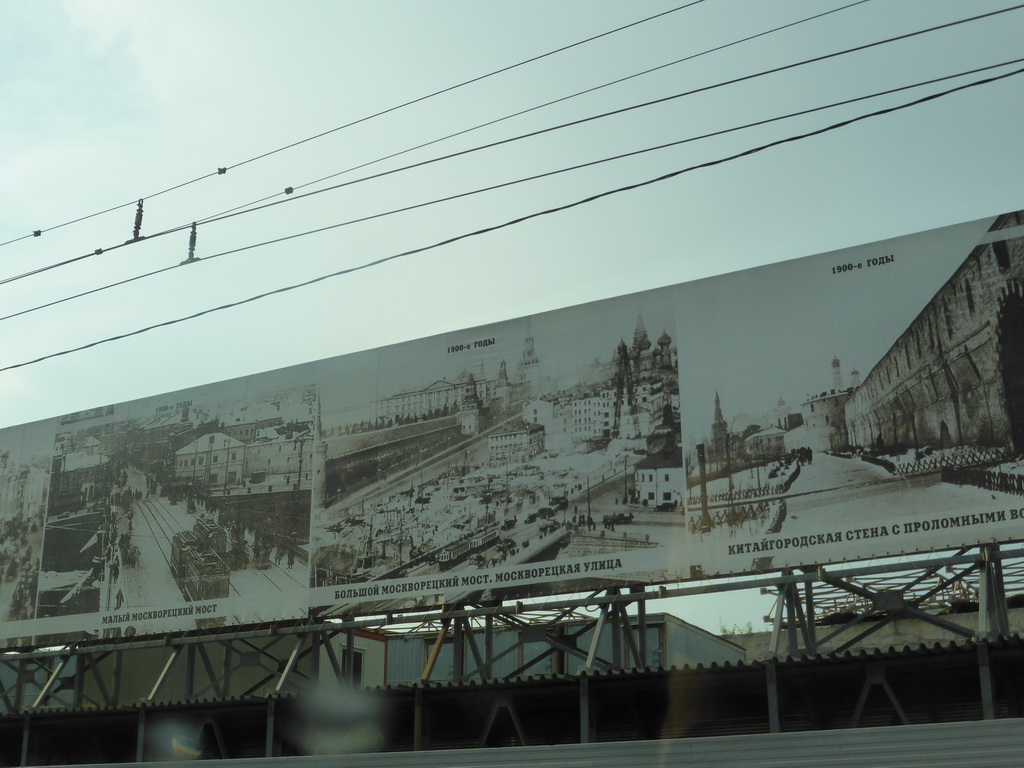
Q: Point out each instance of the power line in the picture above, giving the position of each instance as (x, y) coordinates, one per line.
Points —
(612, 113)
(537, 107)
(520, 137)
(518, 220)
(223, 170)
(481, 190)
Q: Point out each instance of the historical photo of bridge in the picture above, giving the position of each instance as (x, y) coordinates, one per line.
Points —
(192, 497)
(552, 438)
(858, 404)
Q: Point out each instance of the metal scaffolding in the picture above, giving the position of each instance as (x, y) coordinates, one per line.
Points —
(817, 610)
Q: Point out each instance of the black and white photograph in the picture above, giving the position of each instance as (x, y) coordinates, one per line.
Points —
(857, 404)
(549, 438)
(186, 508)
(24, 485)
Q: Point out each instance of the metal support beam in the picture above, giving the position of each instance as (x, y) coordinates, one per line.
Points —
(436, 650)
(864, 634)
(89, 666)
(992, 619)
(459, 650)
(792, 620)
(776, 636)
(289, 665)
(140, 736)
(350, 656)
(629, 651)
(598, 629)
(559, 644)
(641, 627)
(316, 641)
(487, 668)
(270, 741)
(875, 675)
(810, 634)
(772, 684)
(988, 705)
(469, 641)
(34, 678)
(190, 671)
(496, 707)
(118, 672)
(417, 719)
(616, 631)
(9, 702)
(218, 737)
(586, 726)
(50, 682)
(332, 658)
(26, 733)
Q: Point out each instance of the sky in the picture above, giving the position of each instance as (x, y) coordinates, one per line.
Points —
(110, 101)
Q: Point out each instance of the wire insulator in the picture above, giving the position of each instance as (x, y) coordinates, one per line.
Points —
(137, 229)
(191, 246)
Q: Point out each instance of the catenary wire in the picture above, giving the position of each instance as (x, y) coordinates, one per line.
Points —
(611, 113)
(537, 107)
(367, 118)
(520, 137)
(546, 174)
(516, 221)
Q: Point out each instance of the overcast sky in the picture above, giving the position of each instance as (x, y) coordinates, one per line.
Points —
(109, 101)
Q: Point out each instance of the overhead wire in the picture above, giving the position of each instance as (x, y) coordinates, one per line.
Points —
(518, 220)
(223, 170)
(520, 137)
(546, 174)
(520, 113)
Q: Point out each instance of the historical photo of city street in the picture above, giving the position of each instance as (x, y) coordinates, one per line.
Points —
(192, 497)
(858, 404)
(551, 438)
(24, 484)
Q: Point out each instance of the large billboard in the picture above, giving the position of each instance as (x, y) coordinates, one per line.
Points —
(862, 403)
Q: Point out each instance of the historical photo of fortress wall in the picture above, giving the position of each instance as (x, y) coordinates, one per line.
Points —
(858, 404)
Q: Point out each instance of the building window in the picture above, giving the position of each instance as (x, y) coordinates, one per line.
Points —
(1002, 255)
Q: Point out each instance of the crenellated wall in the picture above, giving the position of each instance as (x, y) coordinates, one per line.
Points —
(951, 378)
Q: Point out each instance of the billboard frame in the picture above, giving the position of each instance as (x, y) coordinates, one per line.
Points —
(793, 628)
